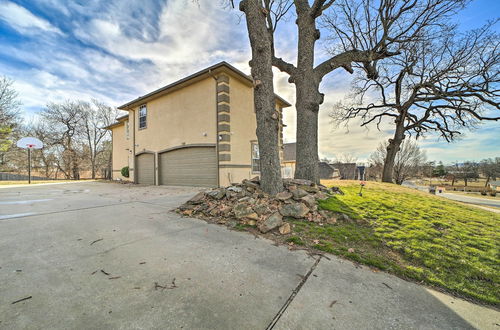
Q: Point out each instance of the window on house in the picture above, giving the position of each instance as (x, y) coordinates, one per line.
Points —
(255, 158)
(127, 129)
(143, 112)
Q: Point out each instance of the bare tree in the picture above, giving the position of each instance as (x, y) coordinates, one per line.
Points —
(65, 119)
(407, 161)
(364, 32)
(94, 117)
(466, 171)
(346, 158)
(490, 168)
(9, 113)
(46, 157)
(443, 82)
(261, 26)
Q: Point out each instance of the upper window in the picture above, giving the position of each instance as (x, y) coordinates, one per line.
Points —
(255, 158)
(127, 128)
(143, 113)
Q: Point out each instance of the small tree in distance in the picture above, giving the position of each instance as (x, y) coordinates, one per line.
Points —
(407, 162)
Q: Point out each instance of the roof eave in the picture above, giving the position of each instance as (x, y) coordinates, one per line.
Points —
(209, 70)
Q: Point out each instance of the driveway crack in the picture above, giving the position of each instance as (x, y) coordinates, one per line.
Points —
(292, 295)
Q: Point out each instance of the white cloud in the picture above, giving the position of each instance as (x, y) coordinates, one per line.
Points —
(118, 50)
(23, 20)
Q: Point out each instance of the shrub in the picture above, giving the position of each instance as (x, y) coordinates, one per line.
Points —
(125, 171)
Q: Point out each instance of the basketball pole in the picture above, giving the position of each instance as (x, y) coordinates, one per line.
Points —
(29, 165)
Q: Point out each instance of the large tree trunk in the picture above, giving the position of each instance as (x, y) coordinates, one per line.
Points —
(307, 133)
(308, 100)
(392, 150)
(264, 98)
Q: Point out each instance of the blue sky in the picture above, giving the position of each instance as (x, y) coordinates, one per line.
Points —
(116, 50)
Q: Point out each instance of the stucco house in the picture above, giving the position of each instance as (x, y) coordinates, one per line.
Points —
(197, 131)
(494, 185)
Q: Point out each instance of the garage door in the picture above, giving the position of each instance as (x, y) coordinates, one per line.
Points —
(145, 167)
(192, 166)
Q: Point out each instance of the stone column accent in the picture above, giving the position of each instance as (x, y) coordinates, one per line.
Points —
(224, 118)
(280, 127)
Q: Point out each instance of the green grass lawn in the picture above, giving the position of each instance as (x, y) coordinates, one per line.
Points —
(412, 234)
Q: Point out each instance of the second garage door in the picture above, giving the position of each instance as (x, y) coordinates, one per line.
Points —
(191, 166)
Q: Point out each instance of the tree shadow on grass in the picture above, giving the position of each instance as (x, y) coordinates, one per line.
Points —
(336, 205)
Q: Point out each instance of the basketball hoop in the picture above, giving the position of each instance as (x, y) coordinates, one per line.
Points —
(29, 143)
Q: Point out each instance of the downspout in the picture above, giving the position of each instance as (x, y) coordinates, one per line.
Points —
(133, 140)
(210, 73)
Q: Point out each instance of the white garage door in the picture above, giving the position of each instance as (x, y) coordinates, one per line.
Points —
(191, 166)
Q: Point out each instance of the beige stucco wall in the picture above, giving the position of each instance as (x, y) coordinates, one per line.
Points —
(243, 126)
(188, 116)
(185, 116)
(120, 152)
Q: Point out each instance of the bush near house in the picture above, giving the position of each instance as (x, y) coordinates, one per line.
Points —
(125, 172)
(412, 234)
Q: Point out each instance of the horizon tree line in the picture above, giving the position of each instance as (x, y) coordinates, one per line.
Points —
(75, 140)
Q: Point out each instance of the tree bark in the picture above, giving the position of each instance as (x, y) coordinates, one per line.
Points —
(392, 150)
(264, 98)
(308, 98)
(306, 134)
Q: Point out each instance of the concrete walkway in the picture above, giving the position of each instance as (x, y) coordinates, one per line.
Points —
(112, 256)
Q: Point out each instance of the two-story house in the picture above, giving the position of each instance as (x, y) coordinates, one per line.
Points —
(197, 131)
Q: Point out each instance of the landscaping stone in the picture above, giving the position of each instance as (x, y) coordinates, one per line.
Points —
(310, 201)
(250, 184)
(321, 196)
(234, 188)
(272, 221)
(247, 204)
(261, 209)
(299, 193)
(242, 210)
(309, 189)
(197, 199)
(217, 193)
(294, 210)
(284, 195)
(285, 229)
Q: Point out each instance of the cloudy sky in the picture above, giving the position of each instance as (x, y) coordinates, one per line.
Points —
(117, 50)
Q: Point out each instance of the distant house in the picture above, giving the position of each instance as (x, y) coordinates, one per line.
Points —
(348, 171)
(494, 185)
(197, 131)
(327, 171)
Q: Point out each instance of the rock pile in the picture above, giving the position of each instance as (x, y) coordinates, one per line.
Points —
(247, 204)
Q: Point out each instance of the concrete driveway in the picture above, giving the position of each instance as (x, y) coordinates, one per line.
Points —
(112, 256)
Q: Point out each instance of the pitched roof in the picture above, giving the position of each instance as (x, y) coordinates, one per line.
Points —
(192, 78)
(289, 152)
(118, 121)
